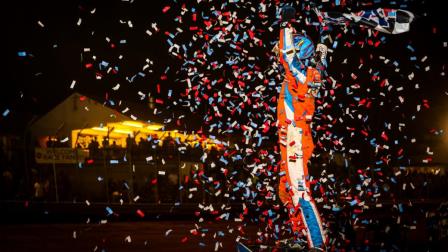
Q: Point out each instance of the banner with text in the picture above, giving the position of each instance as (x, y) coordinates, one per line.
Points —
(60, 155)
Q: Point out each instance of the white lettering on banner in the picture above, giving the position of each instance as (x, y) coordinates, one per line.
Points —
(60, 155)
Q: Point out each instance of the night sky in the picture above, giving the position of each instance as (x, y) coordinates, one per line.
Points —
(34, 84)
(383, 103)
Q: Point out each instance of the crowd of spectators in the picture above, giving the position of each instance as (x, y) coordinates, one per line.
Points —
(411, 184)
(12, 178)
(56, 142)
(146, 147)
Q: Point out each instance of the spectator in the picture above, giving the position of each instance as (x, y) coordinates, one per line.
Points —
(38, 190)
(167, 140)
(143, 147)
(130, 144)
(214, 154)
(106, 149)
(169, 146)
(93, 148)
(50, 143)
(114, 145)
(105, 142)
(115, 150)
(7, 184)
(114, 190)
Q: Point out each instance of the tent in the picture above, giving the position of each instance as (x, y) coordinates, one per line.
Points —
(75, 112)
(79, 119)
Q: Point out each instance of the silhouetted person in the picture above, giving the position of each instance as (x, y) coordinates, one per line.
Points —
(105, 142)
(106, 150)
(214, 154)
(7, 185)
(93, 148)
(168, 144)
(38, 190)
(50, 143)
(142, 147)
(166, 141)
(130, 145)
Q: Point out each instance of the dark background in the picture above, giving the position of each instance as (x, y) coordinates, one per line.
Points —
(34, 84)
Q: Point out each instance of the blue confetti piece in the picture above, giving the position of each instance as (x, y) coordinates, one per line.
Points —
(223, 160)
(336, 209)
(109, 211)
(104, 65)
(335, 44)
(260, 139)
(209, 50)
(410, 48)
(393, 180)
(6, 112)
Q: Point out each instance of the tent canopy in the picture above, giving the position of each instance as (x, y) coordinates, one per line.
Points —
(75, 112)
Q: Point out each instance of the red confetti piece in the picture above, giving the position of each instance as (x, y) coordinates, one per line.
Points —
(140, 213)
(166, 8)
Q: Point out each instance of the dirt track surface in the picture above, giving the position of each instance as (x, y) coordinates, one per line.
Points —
(144, 236)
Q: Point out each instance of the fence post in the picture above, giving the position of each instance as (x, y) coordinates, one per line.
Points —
(131, 179)
(55, 176)
(106, 175)
(179, 176)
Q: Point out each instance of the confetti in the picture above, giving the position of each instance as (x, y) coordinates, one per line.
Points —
(6, 112)
(215, 61)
